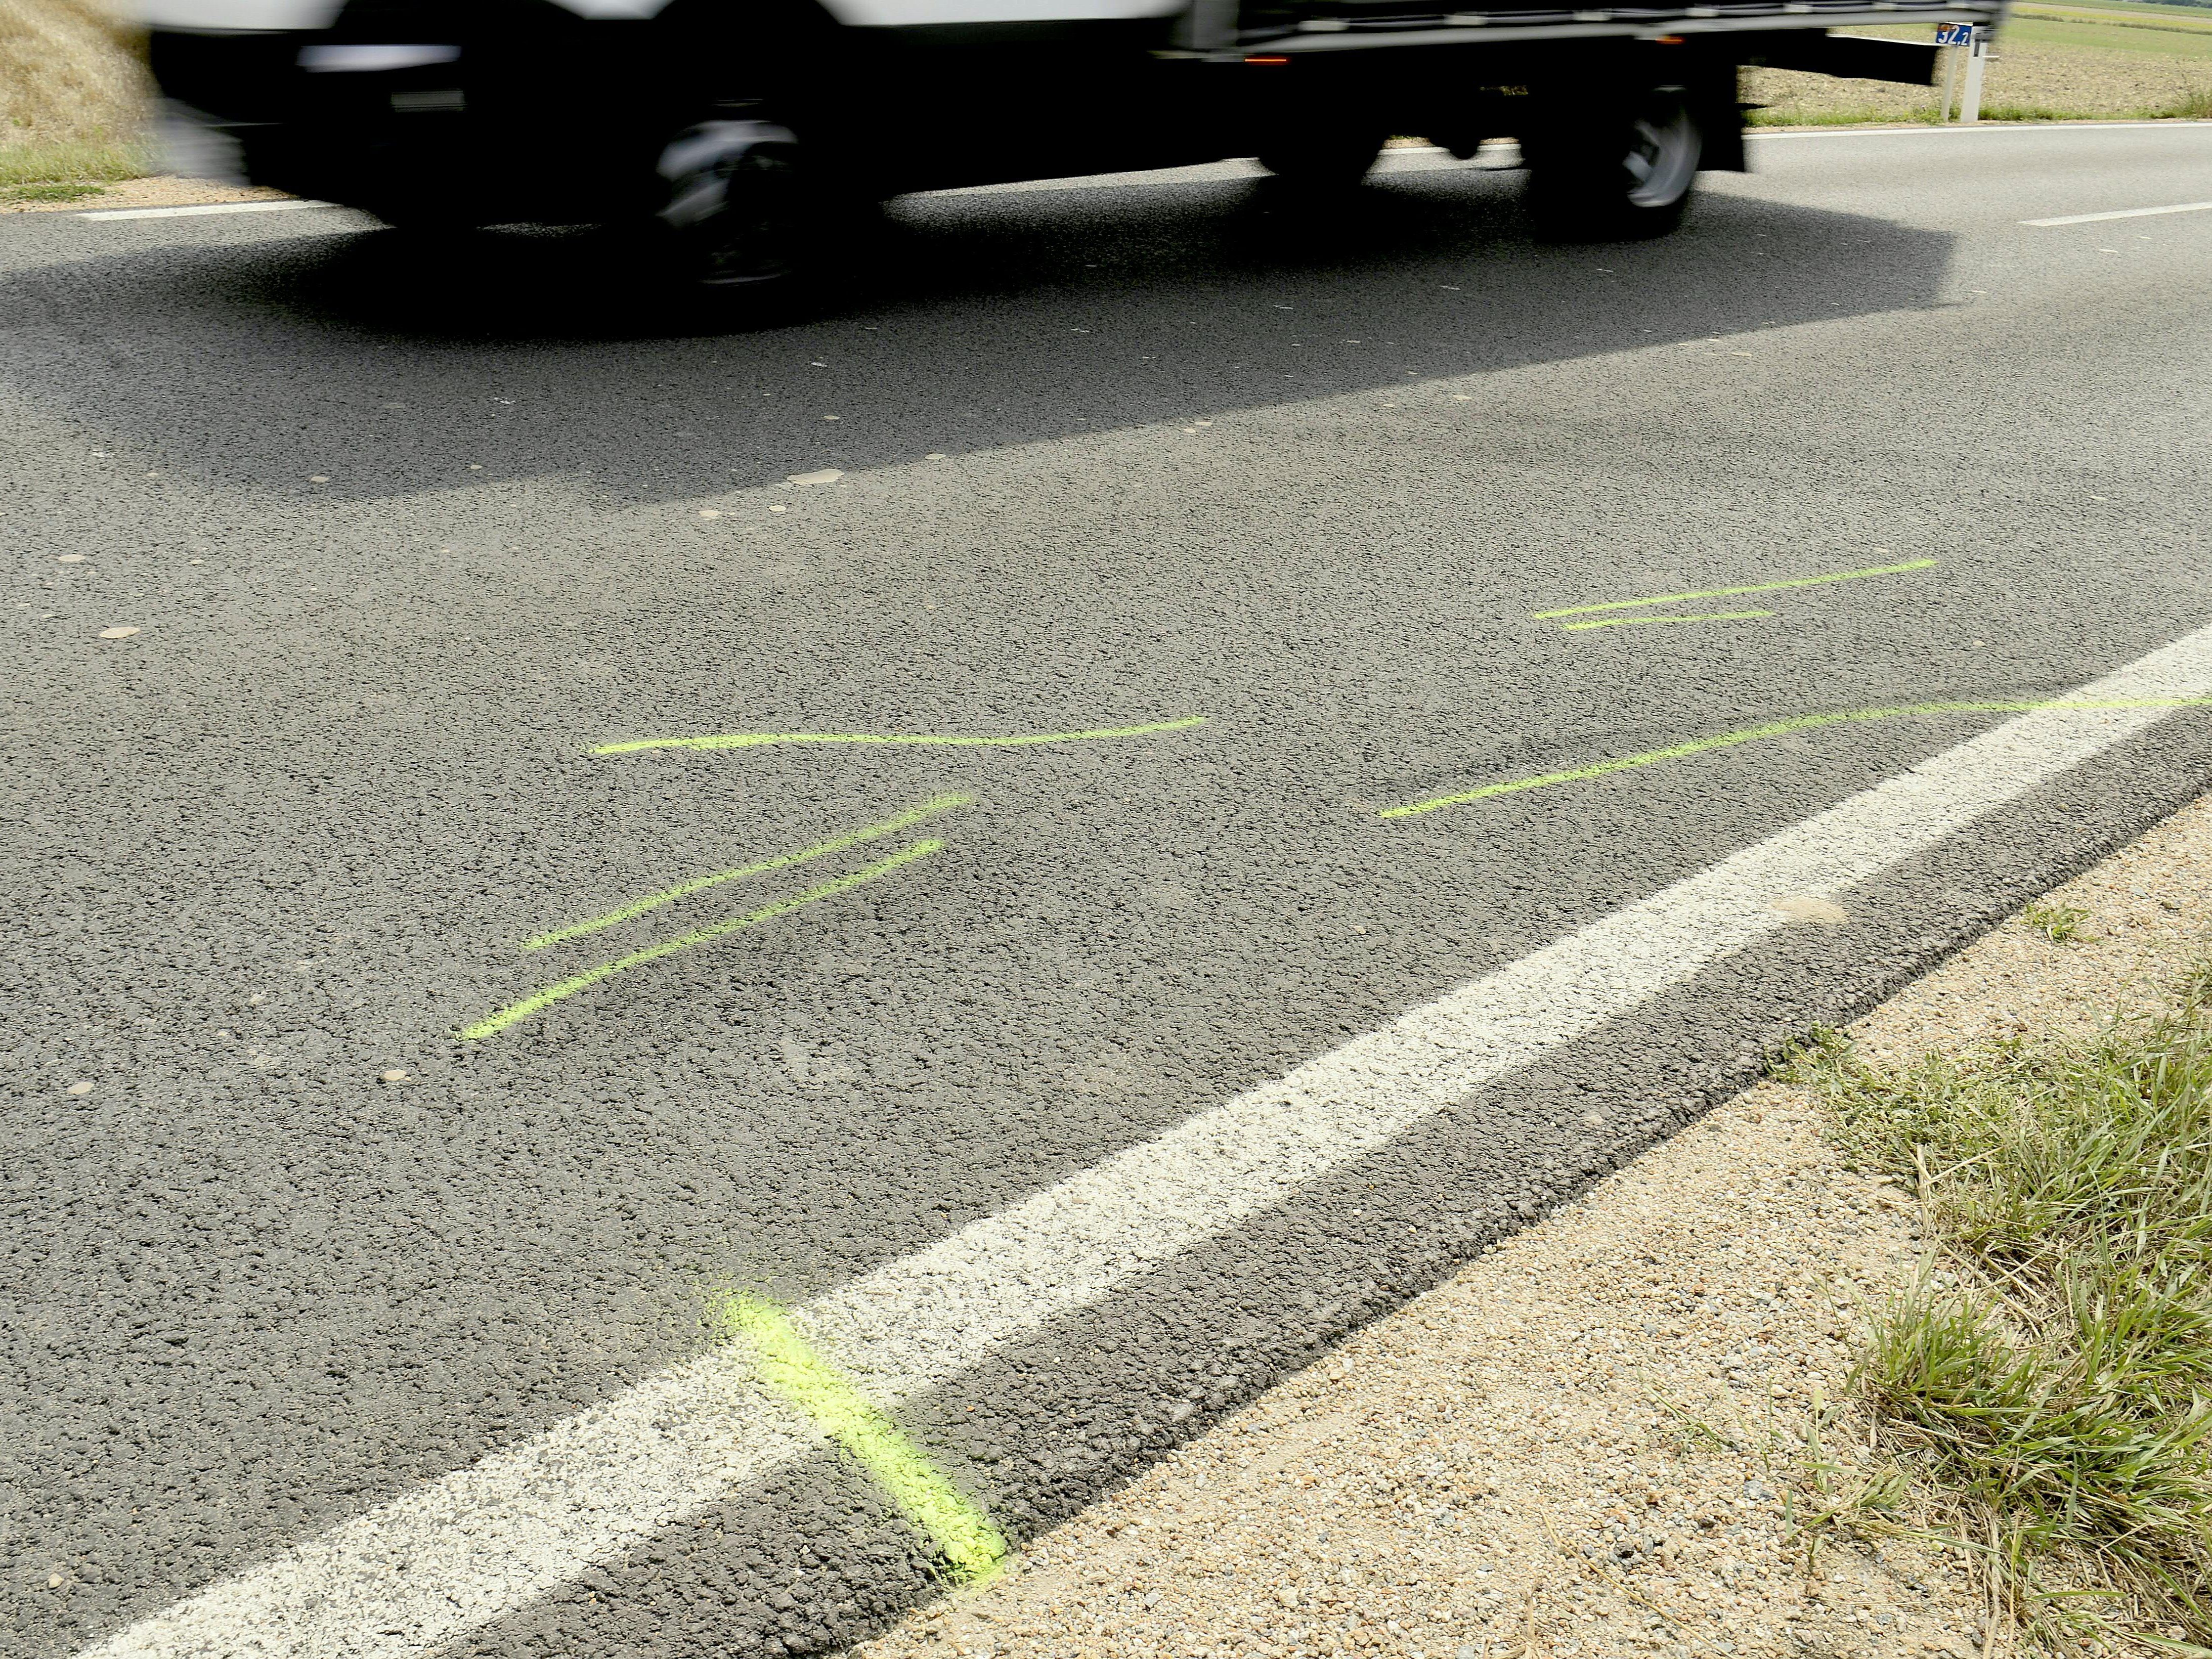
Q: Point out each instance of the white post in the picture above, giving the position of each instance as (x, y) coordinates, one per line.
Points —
(1977, 55)
(1951, 57)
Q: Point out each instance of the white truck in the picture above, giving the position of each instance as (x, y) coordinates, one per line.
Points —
(734, 131)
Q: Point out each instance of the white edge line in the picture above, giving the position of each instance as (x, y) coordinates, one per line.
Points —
(2123, 213)
(201, 209)
(402, 1579)
(1140, 176)
(1979, 126)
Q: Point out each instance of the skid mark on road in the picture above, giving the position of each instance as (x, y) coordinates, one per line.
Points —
(1021, 740)
(888, 826)
(492, 1024)
(1646, 621)
(1821, 579)
(1753, 733)
(785, 1365)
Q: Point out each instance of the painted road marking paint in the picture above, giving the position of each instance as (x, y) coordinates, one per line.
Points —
(785, 1366)
(2124, 213)
(1752, 734)
(204, 211)
(536, 1001)
(1645, 621)
(2046, 128)
(890, 826)
(403, 1579)
(1731, 593)
(755, 739)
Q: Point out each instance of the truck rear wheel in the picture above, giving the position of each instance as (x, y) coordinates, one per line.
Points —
(1615, 180)
(739, 220)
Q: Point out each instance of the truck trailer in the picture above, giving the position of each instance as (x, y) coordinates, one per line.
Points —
(733, 133)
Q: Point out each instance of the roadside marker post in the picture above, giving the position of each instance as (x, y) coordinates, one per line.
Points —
(1978, 54)
(1955, 36)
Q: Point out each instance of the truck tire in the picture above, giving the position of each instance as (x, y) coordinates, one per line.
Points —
(1326, 158)
(739, 221)
(1617, 179)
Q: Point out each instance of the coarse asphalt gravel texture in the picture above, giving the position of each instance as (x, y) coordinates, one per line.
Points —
(406, 529)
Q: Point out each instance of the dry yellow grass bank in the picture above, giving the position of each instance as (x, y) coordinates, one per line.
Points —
(73, 91)
(69, 74)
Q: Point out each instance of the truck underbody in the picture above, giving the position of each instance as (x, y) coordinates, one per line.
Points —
(525, 110)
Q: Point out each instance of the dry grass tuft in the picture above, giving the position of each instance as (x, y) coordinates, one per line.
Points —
(2044, 1385)
(73, 95)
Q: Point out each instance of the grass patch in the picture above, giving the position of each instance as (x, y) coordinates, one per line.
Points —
(2123, 10)
(50, 192)
(2181, 11)
(2043, 1390)
(67, 171)
(2197, 22)
(1843, 115)
(2170, 39)
(2059, 923)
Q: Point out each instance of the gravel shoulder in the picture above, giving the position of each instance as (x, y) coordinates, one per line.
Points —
(157, 189)
(1586, 1442)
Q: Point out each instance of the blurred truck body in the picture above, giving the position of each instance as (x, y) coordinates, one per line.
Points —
(733, 127)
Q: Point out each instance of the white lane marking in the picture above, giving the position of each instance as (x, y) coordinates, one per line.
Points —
(404, 1578)
(1981, 127)
(2123, 213)
(1242, 167)
(202, 208)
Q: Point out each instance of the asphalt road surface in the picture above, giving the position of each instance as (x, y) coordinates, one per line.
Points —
(1006, 1110)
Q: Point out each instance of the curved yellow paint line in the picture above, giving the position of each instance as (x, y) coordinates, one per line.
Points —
(786, 1364)
(536, 1001)
(1731, 593)
(892, 825)
(1022, 740)
(1646, 621)
(1772, 729)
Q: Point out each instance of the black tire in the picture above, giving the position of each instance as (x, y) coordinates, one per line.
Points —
(740, 220)
(1325, 158)
(1618, 180)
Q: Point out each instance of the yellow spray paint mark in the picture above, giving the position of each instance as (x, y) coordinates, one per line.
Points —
(788, 1366)
(758, 739)
(1773, 729)
(536, 1001)
(1644, 621)
(1731, 593)
(782, 861)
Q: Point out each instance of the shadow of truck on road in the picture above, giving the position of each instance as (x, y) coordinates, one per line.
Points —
(975, 320)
